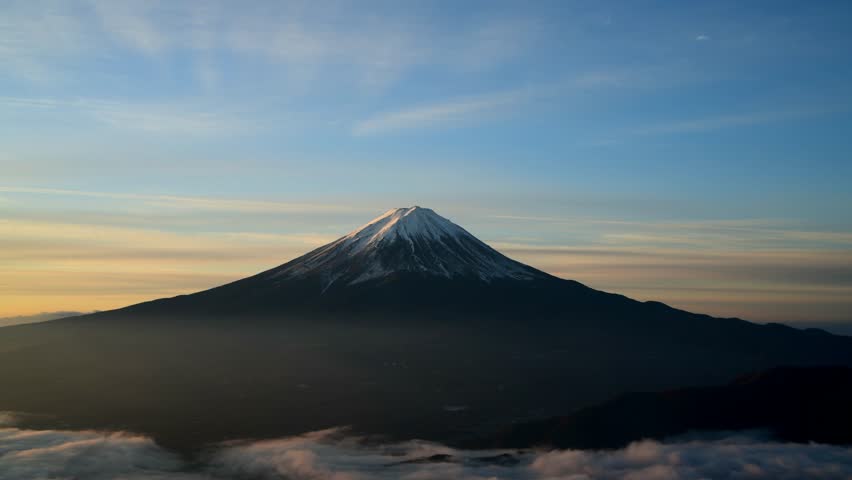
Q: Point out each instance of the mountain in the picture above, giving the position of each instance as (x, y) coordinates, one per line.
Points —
(408, 326)
(408, 258)
(793, 404)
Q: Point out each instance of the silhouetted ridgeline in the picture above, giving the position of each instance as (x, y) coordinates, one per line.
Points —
(795, 404)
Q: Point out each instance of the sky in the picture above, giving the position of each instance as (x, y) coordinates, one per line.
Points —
(698, 154)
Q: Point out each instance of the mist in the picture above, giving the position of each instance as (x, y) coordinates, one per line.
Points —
(336, 454)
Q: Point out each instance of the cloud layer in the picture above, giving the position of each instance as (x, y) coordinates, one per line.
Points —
(28, 454)
(334, 455)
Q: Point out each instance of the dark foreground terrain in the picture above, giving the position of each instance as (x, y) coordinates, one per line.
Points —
(191, 381)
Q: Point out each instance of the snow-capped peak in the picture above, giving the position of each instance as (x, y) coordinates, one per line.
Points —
(402, 223)
(405, 240)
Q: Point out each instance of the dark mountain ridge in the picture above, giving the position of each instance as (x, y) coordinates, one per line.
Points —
(793, 404)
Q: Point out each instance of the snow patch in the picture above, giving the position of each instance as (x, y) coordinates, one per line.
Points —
(413, 239)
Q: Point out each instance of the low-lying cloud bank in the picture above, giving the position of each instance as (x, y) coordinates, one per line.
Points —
(333, 455)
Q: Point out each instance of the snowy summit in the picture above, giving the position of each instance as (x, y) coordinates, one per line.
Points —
(405, 240)
(402, 223)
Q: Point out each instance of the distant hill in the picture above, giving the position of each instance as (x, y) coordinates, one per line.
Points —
(38, 317)
(795, 404)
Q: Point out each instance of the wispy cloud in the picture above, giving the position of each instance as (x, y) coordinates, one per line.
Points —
(702, 38)
(33, 38)
(769, 285)
(84, 266)
(152, 118)
(377, 53)
(120, 248)
(130, 23)
(495, 41)
(191, 203)
(760, 269)
(734, 234)
(444, 113)
(136, 247)
(460, 110)
(308, 41)
(719, 122)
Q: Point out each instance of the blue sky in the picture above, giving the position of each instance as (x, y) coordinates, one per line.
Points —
(685, 152)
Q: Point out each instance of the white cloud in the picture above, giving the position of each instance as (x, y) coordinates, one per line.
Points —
(333, 455)
(702, 38)
(732, 457)
(31, 455)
